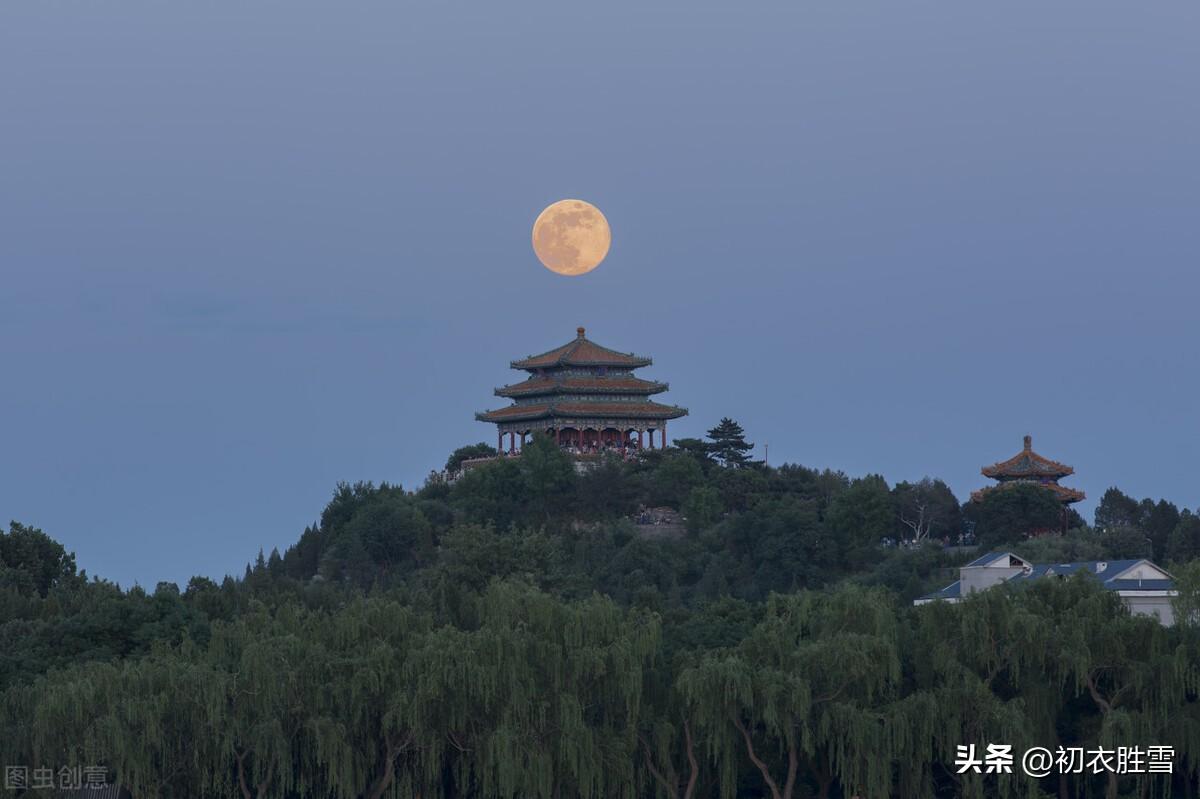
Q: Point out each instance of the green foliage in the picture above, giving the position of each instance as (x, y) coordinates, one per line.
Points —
(777, 545)
(860, 517)
(697, 448)
(1076, 545)
(910, 572)
(926, 509)
(32, 562)
(1116, 509)
(1008, 514)
(480, 450)
(1159, 520)
(1183, 545)
(728, 444)
(1126, 542)
(741, 488)
(607, 491)
(805, 682)
(702, 508)
(515, 633)
(549, 477)
(673, 480)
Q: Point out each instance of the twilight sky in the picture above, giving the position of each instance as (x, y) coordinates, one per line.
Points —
(251, 249)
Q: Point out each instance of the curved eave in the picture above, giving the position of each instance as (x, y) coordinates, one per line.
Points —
(1027, 463)
(619, 410)
(1067, 496)
(625, 388)
(627, 362)
(1049, 469)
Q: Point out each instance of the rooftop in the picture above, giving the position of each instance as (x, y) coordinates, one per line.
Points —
(615, 410)
(1027, 463)
(581, 352)
(596, 384)
(1063, 493)
(1133, 575)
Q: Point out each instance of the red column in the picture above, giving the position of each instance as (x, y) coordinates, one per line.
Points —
(663, 433)
(641, 443)
(499, 442)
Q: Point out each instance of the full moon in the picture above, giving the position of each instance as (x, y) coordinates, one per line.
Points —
(571, 237)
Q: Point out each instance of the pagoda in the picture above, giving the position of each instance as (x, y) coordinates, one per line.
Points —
(1029, 467)
(586, 396)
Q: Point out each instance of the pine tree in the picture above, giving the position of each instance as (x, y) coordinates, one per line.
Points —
(729, 445)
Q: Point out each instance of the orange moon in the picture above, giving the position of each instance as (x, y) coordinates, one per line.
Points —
(571, 237)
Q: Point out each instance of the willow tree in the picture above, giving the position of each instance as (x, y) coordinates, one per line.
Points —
(272, 674)
(366, 735)
(963, 662)
(805, 695)
(150, 721)
(671, 759)
(1128, 667)
(1051, 663)
(551, 692)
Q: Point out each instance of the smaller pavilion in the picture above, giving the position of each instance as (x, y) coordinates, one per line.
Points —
(1029, 467)
(586, 396)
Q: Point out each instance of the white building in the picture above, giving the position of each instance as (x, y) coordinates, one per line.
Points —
(1146, 589)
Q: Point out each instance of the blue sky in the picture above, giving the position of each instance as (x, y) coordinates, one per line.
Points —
(251, 249)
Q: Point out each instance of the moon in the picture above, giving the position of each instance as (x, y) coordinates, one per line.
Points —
(571, 237)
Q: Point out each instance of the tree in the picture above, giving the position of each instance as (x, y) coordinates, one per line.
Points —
(1126, 542)
(480, 450)
(1184, 542)
(729, 444)
(807, 685)
(777, 545)
(1159, 520)
(702, 508)
(495, 493)
(1007, 514)
(269, 663)
(697, 448)
(549, 476)
(741, 488)
(859, 517)
(1076, 545)
(393, 531)
(541, 698)
(153, 722)
(672, 480)
(1116, 509)
(32, 561)
(927, 508)
(1186, 603)
(607, 490)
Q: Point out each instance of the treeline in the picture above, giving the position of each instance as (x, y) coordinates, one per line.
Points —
(514, 692)
(516, 634)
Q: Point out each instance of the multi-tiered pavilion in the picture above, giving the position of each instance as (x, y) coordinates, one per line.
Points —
(587, 397)
(1029, 467)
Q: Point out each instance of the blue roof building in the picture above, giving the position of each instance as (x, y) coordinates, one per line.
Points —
(1145, 588)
